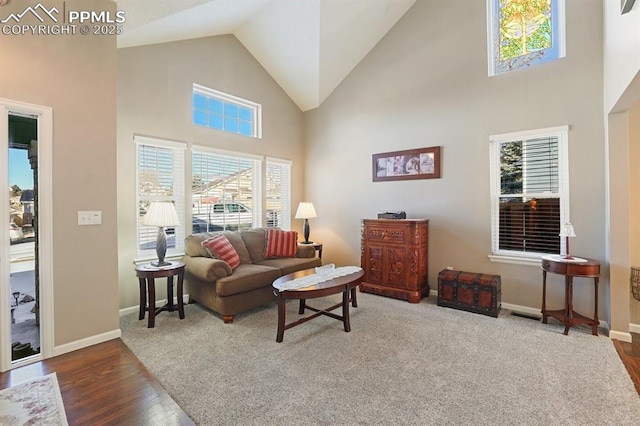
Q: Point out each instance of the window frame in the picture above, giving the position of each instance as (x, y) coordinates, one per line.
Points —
(284, 216)
(256, 177)
(558, 23)
(228, 99)
(179, 196)
(562, 134)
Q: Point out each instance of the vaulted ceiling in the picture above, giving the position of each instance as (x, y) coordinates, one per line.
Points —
(307, 46)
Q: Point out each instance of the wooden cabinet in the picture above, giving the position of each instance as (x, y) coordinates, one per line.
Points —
(394, 257)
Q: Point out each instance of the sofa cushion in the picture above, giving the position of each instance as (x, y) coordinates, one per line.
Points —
(220, 248)
(280, 243)
(288, 265)
(254, 239)
(193, 244)
(246, 278)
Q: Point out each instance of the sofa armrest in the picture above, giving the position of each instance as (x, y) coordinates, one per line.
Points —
(306, 251)
(206, 268)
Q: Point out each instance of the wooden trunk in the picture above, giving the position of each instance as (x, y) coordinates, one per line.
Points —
(479, 293)
(394, 257)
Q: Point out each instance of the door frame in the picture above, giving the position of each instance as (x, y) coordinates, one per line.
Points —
(44, 116)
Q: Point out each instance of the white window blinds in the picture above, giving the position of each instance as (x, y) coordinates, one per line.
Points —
(278, 193)
(530, 192)
(159, 177)
(225, 191)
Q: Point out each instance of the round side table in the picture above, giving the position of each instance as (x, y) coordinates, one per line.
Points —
(147, 275)
(586, 268)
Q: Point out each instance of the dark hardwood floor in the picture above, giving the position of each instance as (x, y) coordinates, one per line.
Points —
(630, 356)
(105, 384)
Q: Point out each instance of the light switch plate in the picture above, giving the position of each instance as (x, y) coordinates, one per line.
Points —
(90, 217)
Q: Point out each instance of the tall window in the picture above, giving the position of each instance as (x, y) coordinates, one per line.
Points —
(522, 33)
(221, 111)
(160, 177)
(278, 193)
(225, 191)
(530, 191)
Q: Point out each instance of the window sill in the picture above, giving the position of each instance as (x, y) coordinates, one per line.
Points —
(141, 260)
(515, 260)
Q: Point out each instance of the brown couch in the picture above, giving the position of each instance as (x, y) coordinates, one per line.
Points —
(212, 283)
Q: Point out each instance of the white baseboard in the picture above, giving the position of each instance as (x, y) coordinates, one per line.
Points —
(619, 335)
(85, 343)
(159, 304)
(634, 328)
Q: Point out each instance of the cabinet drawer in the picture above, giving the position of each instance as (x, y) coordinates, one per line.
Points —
(388, 234)
(554, 267)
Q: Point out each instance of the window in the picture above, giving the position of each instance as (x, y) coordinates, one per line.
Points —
(522, 33)
(225, 191)
(160, 177)
(278, 193)
(218, 110)
(529, 191)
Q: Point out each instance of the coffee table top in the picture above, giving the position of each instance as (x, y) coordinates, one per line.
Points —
(353, 279)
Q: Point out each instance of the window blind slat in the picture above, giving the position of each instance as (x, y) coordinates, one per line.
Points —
(160, 176)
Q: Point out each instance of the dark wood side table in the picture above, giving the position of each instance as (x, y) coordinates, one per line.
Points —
(147, 275)
(588, 269)
(317, 246)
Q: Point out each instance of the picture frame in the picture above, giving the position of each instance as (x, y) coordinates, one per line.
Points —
(420, 163)
(626, 5)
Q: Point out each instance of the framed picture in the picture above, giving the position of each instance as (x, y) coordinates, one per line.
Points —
(626, 5)
(421, 163)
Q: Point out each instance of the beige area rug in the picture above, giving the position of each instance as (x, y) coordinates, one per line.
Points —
(401, 364)
(36, 402)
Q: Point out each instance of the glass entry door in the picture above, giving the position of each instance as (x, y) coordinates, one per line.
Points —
(22, 221)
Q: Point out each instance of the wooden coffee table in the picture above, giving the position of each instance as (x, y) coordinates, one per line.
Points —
(346, 285)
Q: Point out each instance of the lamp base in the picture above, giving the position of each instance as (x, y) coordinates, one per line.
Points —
(306, 242)
(163, 263)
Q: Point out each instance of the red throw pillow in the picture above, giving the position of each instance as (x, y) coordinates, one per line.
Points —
(220, 248)
(281, 243)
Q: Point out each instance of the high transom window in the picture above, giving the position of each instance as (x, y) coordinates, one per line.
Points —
(221, 111)
(524, 33)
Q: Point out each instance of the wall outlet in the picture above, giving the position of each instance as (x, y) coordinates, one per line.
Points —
(89, 218)
(450, 268)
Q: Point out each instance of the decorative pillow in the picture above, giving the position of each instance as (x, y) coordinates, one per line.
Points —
(220, 248)
(281, 243)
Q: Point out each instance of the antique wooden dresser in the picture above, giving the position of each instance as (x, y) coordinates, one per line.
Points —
(394, 256)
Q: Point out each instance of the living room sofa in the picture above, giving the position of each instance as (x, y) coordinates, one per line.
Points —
(213, 283)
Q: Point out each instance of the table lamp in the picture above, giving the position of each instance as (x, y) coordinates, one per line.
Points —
(306, 211)
(161, 214)
(567, 231)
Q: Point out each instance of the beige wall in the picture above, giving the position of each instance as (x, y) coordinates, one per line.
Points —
(621, 92)
(425, 84)
(634, 201)
(621, 52)
(154, 99)
(76, 76)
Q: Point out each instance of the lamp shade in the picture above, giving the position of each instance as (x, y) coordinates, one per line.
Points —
(567, 230)
(305, 210)
(161, 214)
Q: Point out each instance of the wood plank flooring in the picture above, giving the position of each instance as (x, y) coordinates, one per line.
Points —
(630, 356)
(105, 384)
